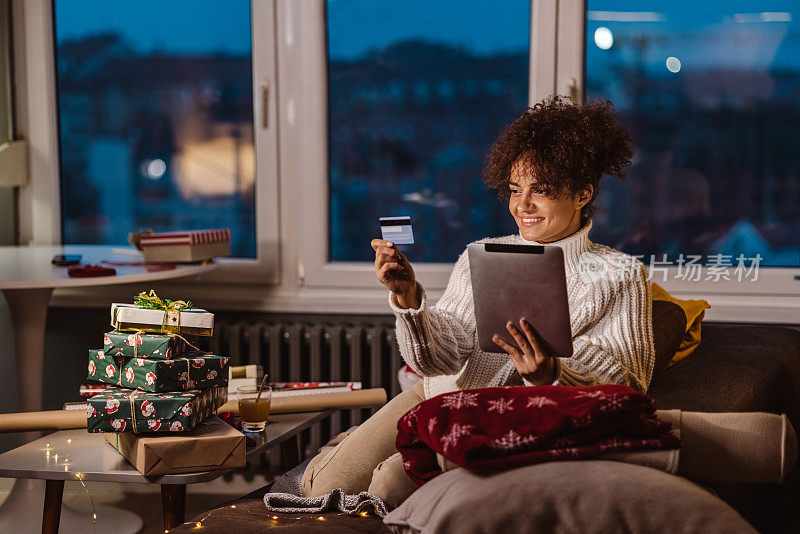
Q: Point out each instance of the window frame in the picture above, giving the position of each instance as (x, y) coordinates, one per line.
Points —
(774, 298)
(293, 273)
(37, 113)
(304, 141)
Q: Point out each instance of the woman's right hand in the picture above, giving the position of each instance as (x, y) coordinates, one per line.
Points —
(395, 272)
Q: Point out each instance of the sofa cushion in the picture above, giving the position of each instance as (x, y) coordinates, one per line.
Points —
(736, 369)
(565, 496)
(669, 327)
(743, 368)
(693, 310)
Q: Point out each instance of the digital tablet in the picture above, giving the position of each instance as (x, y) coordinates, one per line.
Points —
(514, 281)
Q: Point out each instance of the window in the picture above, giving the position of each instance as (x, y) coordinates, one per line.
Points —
(711, 95)
(417, 90)
(155, 112)
(359, 97)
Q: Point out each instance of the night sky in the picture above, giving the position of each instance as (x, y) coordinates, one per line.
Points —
(355, 26)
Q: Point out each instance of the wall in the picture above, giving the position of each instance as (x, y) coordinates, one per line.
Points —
(8, 386)
(7, 215)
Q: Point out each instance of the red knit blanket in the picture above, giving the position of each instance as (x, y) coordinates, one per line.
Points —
(492, 429)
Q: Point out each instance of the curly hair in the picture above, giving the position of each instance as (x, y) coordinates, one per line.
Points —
(565, 146)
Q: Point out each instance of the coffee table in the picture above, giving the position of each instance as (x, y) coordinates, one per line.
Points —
(76, 451)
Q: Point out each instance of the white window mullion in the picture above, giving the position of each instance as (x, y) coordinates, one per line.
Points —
(571, 49)
(36, 120)
(544, 35)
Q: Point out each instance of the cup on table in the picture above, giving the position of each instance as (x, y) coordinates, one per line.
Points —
(254, 414)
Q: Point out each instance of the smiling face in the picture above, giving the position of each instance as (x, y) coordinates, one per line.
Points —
(543, 215)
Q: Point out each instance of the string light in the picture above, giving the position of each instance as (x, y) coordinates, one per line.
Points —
(79, 477)
(197, 524)
(320, 518)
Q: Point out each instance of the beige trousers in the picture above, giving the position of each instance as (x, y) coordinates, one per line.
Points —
(351, 463)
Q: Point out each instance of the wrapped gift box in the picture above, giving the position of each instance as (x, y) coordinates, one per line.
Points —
(186, 247)
(141, 345)
(125, 410)
(198, 372)
(214, 444)
(188, 321)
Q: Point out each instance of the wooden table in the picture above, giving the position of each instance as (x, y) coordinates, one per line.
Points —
(77, 451)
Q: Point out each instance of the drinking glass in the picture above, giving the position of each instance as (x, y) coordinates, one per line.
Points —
(254, 413)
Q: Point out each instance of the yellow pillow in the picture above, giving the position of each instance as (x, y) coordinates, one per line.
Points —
(694, 310)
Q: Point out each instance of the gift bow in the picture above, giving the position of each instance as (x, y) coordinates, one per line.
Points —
(154, 302)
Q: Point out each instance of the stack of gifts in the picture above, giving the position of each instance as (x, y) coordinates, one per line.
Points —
(157, 381)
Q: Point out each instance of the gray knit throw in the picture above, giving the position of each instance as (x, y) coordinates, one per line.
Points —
(336, 500)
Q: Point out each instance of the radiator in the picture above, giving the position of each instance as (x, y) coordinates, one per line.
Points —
(363, 351)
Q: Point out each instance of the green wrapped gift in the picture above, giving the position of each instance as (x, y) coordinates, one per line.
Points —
(141, 345)
(198, 372)
(124, 410)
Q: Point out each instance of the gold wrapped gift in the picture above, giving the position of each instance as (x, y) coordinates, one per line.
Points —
(213, 445)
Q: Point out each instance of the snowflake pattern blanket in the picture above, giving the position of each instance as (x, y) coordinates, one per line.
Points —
(491, 429)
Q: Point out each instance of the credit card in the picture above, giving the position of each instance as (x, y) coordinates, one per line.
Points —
(397, 230)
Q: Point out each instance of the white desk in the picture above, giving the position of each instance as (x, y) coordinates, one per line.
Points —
(27, 280)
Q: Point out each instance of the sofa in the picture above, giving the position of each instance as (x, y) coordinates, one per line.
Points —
(736, 368)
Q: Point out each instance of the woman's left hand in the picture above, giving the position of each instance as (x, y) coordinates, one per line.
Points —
(530, 359)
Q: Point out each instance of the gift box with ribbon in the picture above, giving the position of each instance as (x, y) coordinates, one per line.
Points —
(140, 412)
(214, 444)
(142, 345)
(180, 374)
(151, 314)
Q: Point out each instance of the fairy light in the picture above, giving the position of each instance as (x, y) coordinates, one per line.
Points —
(320, 518)
(197, 524)
(69, 440)
(233, 506)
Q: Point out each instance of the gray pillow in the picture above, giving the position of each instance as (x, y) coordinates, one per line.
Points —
(570, 496)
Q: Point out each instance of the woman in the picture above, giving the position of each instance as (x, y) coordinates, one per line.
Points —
(548, 164)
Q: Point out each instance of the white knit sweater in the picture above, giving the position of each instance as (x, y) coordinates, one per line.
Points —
(610, 315)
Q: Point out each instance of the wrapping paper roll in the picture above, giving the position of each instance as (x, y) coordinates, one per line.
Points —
(362, 398)
(62, 419)
(50, 420)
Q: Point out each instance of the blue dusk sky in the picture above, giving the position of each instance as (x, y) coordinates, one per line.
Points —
(485, 27)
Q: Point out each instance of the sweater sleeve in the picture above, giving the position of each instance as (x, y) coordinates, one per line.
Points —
(438, 340)
(619, 348)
